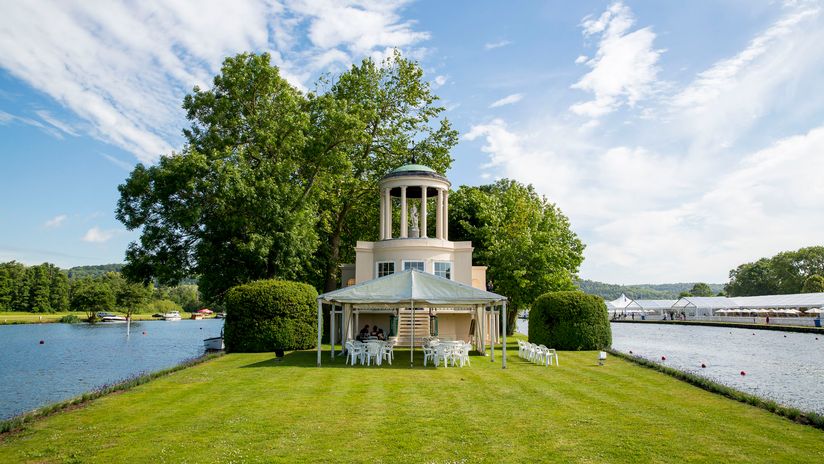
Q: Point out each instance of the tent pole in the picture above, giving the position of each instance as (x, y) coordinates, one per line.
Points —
(503, 356)
(320, 327)
(491, 332)
(482, 329)
(412, 336)
(332, 331)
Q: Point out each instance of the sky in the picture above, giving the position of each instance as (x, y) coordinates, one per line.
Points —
(681, 138)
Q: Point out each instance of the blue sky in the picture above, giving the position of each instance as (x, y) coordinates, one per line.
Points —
(681, 138)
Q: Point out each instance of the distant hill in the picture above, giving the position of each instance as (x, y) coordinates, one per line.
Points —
(640, 291)
(79, 272)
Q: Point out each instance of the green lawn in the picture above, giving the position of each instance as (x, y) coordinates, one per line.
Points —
(248, 408)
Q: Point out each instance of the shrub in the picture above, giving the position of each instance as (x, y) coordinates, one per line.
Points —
(269, 314)
(570, 321)
(70, 319)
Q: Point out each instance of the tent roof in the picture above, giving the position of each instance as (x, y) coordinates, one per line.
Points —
(798, 300)
(411, 285)
(620, 302)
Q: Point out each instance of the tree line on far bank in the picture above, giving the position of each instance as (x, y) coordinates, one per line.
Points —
(45, 288)
(800, 271)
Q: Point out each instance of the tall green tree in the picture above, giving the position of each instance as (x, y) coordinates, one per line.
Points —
(273, 183)
(92, 296)
(235, 204)
(783, 273)
(39, 288)
(58, 290)
(525, 240)
(701, 289)
(383, 115)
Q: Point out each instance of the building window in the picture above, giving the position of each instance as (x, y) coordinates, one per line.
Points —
(385, 268)
(443, 269)
(416, 265)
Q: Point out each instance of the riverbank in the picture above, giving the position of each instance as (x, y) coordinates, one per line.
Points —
(250, 408)
(736, 325)
(21, 317)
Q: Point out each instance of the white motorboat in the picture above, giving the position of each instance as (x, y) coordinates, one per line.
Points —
(109, 317)
(214, 343)
(172, 316)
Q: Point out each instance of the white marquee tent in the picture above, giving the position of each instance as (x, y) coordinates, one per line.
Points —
(410, 289)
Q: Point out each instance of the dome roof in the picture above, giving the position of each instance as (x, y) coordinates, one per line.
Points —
(414, 170)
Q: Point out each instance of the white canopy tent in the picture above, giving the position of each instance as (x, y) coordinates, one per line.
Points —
(618, 304)
(409, 289)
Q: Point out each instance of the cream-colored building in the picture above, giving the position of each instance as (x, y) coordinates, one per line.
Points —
(414, 235)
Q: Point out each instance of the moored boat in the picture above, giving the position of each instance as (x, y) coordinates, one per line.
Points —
(109, 317)
(214, 343)
(172, 316)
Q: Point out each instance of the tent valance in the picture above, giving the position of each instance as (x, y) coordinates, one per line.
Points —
(411, 285)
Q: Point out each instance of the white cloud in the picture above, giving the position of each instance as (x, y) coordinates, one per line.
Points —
(46, 116)
(625, 67)
(581, 59)
(118, 162)
(499, 44)
(98, 235)
(123, 67)
(439, 81)
(56, 221)
(507, 100)
(778, 71)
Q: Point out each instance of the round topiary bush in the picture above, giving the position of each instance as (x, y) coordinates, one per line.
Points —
(570, 321)
(268, 314)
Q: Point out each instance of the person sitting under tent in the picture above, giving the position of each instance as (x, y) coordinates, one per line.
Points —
(364, 333)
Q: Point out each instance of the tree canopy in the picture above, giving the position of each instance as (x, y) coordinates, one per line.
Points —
(701, 289)
(783, 273)
(813, 284)
(525, 240)
(272, 182)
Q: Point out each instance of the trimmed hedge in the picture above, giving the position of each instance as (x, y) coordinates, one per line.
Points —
(570, 321)
(268, 314)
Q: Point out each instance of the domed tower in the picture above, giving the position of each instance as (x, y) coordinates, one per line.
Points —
(414, 225)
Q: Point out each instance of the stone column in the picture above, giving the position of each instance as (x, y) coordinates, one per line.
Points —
(382, 230)
(439, 216)
(423, 212)
(388, 201)
(445, 214)
(404, 222)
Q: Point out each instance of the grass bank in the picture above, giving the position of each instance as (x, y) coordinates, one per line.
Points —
(249, 408)
(20, 317)
(734, 325)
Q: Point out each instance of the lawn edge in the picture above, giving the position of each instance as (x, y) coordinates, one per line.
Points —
(18, 423)
(809, 418)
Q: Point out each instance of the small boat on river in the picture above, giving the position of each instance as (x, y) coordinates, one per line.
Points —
(109, 317)
(172, 316)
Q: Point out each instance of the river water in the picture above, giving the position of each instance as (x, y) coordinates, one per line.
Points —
(76, 358)
(784, 366)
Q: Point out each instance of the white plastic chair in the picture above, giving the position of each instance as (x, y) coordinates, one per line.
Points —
(388, 351)
(374, 352)
(354, 353)
(429, 354)
(462, 354)
(443, 352)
